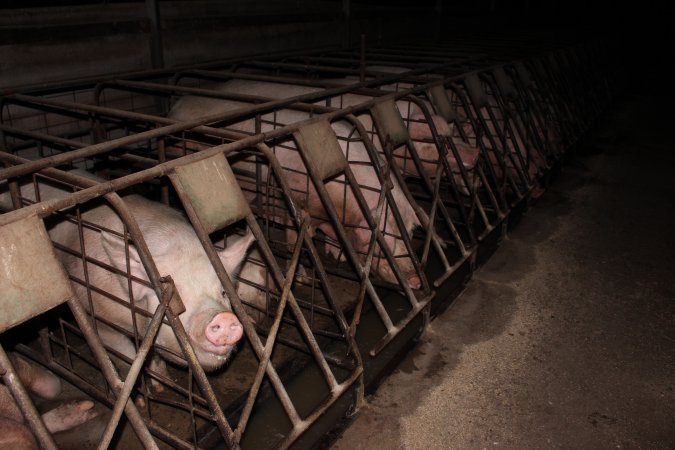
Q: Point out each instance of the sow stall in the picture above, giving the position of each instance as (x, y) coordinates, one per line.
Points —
(127, 139)
(322, 322)
(481, 103)
(186, 408)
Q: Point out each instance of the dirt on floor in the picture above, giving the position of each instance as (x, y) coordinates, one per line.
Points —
(566, 337)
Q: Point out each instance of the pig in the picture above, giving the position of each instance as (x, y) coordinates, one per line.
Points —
(14, 433)
(359, 233)
(211, 326)
(526, 147)
(419, 130)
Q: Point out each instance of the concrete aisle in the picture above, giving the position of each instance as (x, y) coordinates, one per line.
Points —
(566, 337)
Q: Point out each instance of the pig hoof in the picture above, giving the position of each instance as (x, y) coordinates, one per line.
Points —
(156, 386)
(301, 270)
(49, 386)
(140, 402)
(69, 415)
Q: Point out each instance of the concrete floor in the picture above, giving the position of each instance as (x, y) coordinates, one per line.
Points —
(566, 337)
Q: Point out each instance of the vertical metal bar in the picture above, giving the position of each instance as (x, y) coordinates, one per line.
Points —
(362, 61)
(385, 181)
(347, 16)
(161, 157)
(136, 367)
(156, 46)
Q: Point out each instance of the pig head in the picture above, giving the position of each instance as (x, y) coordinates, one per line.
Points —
(208, 319)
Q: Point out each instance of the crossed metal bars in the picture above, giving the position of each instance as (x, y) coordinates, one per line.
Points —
(539, 100)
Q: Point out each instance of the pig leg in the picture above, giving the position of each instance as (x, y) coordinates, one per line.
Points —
(124, 345)
(35, 378)
(16, 435)
(47, 385)
(333, 250)
(9, 410)
(69, 415)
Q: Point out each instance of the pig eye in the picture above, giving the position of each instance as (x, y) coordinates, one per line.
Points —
(223, 293)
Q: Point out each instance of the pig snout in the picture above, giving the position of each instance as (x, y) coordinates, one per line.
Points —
(385, 271)
(414, 281)
(224, 331)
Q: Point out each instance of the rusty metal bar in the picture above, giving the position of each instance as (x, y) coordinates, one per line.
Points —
(25, 404)
(384, 180)
(135, 419)
(164, 308)
(151, 332)
(230, 291)
(502, 203)
(272, 335)
(157, 48)
(362, 61)
(170, 126)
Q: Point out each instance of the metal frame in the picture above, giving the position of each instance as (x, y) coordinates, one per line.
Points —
(511, 91)
(231, 436)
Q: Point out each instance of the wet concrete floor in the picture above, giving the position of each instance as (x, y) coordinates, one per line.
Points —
(566, 337)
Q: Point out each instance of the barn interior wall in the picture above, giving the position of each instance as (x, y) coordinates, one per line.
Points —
(53, 44)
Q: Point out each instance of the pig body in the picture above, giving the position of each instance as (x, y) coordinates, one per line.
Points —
(469, 155)
(212, 327)
(536, 166)
(419, 130)
(350, 215)
(14, 433)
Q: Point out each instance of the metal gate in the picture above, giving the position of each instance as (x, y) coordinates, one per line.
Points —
(354, 198)
(297, 316)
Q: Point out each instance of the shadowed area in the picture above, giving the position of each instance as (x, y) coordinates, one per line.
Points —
(565, 338)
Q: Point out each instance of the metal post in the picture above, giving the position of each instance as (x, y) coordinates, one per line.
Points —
(156, 46)
(347, 16)
(362, 64)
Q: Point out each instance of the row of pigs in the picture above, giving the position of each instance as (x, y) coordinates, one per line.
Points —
(333, 196)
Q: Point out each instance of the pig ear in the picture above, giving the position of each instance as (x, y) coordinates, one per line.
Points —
(235, 254)
(469, 155)
(114, 248)
(419, 128)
